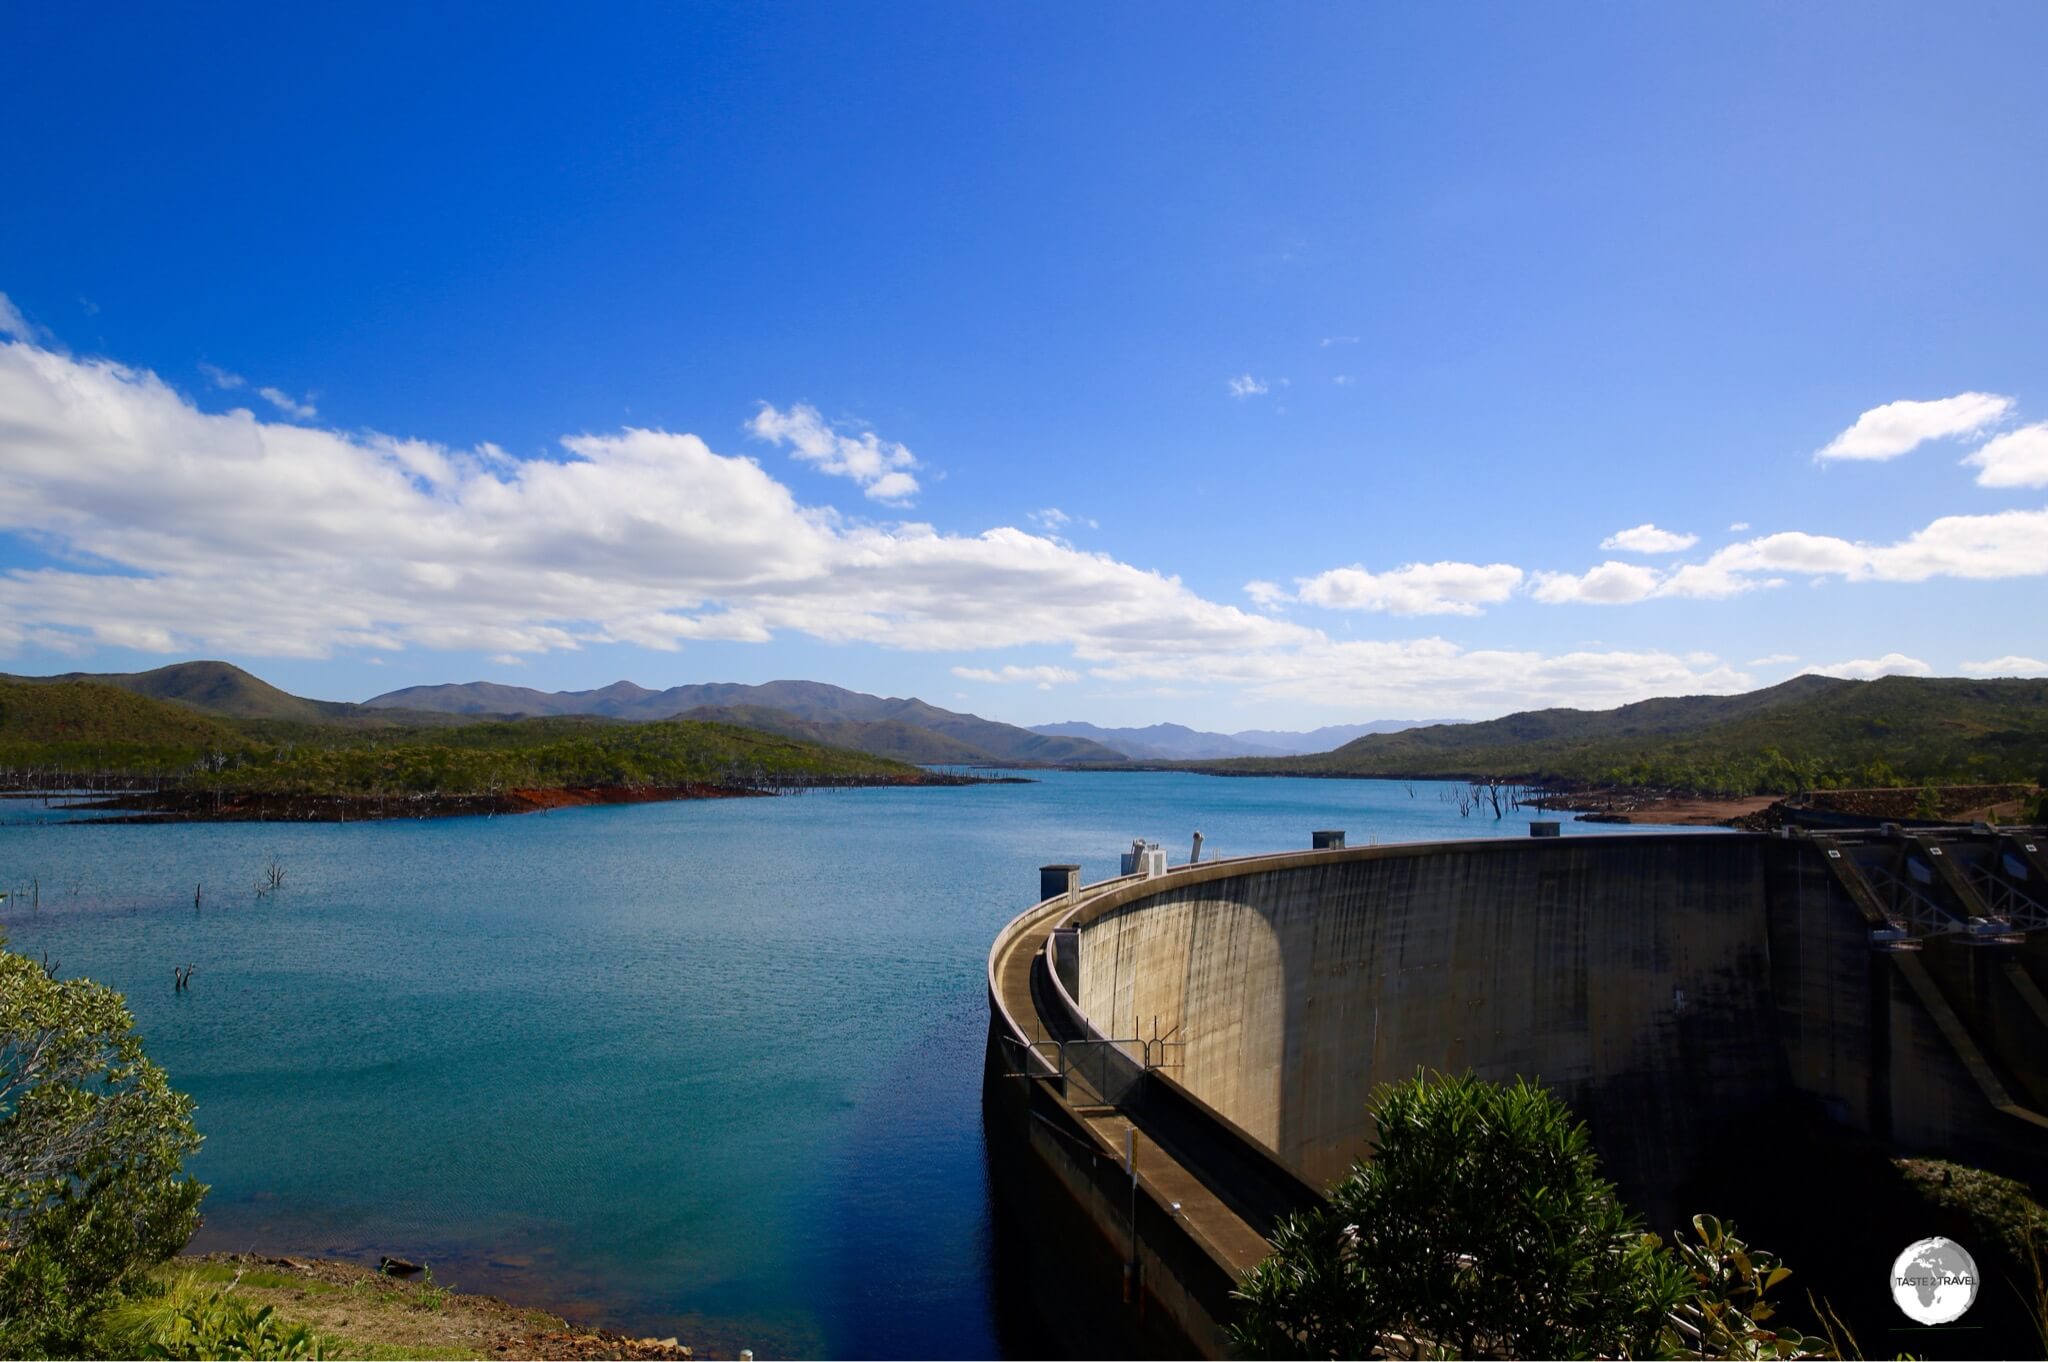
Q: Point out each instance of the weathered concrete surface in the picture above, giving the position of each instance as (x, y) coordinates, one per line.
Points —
(1631, 975)
(1673, 989)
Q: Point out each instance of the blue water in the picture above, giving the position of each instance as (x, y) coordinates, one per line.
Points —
(705, 1068)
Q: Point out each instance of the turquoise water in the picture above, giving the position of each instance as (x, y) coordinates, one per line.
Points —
(706, 1068)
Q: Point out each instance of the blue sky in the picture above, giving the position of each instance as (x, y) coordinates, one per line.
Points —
(1340, 339)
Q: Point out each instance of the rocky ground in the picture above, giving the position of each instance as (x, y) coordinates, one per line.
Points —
(368, 1314)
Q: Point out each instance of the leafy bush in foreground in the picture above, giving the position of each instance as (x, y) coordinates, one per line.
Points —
(191, 1320)
(1481, 1227)
(92, 1142)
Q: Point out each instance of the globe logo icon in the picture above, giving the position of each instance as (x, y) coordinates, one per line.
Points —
(1934, 1280)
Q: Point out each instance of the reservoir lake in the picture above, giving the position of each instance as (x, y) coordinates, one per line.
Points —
(708, 1068)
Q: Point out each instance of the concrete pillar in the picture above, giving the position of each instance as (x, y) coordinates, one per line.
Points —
(1327, 839)
(1546, 827)
(1055, 881)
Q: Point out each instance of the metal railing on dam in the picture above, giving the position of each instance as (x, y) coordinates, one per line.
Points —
(1178, 1060)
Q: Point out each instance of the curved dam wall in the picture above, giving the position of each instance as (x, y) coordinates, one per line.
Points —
(1631, 975)
(1176, 1062)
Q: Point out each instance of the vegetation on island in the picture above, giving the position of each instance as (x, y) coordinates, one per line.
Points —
(1481, 1227)
(86, 734)
(1810, 733)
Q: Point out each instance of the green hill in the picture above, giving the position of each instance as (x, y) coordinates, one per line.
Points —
(1809, 733)
(219, 688)
(86, 726)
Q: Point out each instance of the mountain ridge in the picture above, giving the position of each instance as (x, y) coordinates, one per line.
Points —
(813, 701)
(1177, 742)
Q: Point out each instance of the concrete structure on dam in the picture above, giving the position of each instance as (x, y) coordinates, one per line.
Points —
(1177, 1060)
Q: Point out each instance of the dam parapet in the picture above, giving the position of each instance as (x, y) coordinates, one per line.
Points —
(1226, 1021)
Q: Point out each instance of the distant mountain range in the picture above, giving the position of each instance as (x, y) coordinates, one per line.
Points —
(908, 730)
(1175, 742)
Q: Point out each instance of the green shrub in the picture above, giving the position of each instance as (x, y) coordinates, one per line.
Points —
(1481, 1228)
(92, 1142)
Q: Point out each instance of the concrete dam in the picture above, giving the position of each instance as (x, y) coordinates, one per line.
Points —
(1178, 1058)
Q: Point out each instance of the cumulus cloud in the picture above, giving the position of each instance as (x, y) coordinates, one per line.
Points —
(1870, 668)
(1045, 678)
(1416, 589)
(1611, 583)
(2007, 666)
(176, 530)
(1244, 385)
(880, 467)
(1974, 547)
(2016, 459)
(1647, 538)
(1898, 427)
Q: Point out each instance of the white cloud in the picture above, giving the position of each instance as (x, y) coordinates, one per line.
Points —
(1244, 385)
(1416, 589)
(504, 659)
(1897, 427)
(1737, 527)
(1773, 660)
(216, 533)
(1329, 341)
(13, 323)
(221, 378)
(1973, 547)
(1647, 538)
(1051, 518)
(1045, 678)
(1870, 668)
(287, 404)
(1611, 583)
(2018, 458)
(1266, 594)
(1344, 380)
(880, 467)
(2007, 666)
(1388, 676)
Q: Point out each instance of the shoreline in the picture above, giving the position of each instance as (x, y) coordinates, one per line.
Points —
(210, 806)
(361, 1310)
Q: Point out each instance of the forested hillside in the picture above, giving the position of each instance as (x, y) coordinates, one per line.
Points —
(1809, 733)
